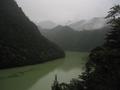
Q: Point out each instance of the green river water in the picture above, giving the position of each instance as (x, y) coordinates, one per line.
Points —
(41, 76)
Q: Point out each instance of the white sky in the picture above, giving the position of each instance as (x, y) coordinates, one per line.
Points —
(62, 11)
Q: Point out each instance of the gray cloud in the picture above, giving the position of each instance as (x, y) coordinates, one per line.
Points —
(61, 11)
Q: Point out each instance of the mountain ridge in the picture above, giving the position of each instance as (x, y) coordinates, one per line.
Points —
(46, 24)
(92, 24)
(72, 40)
(19, 34)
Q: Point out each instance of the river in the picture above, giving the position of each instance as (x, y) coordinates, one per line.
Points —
(41, 76)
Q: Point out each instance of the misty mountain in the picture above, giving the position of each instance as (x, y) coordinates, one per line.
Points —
(73, 40)
(21, 43)
(46, 25)
(92, 24)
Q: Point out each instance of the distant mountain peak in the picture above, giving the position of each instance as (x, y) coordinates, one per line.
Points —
(62, 28)
(92, 24)
(47, 24)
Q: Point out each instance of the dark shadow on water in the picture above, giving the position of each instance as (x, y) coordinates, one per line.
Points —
(24, 78)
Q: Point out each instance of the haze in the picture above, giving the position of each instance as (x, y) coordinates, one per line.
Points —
(65, 11)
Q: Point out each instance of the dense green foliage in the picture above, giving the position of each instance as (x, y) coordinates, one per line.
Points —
(72, 40)
(103, 68)
(20, 40)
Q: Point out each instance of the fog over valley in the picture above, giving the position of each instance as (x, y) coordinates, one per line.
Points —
(59, 44)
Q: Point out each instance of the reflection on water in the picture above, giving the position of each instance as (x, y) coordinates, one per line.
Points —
(40, 77)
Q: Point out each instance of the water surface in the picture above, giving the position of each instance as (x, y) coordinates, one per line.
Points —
(41, 76)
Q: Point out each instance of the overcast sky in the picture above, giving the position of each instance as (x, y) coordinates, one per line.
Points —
(63, 11)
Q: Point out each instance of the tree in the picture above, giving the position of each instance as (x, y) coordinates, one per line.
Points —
(113, 37)
(103, 67)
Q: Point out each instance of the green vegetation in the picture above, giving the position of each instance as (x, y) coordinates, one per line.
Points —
(71, 40)
(103, 68)
(20, 40)
(41, 76)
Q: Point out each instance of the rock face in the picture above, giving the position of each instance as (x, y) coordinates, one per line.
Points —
(20, 40)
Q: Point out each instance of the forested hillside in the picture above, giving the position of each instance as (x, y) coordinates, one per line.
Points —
(103, 67)
(72, 40)
(20, 40)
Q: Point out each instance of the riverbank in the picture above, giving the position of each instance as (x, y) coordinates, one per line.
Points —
(41, 76)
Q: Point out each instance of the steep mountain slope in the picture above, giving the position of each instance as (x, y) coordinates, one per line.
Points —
(20, 37)
(73, 40)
